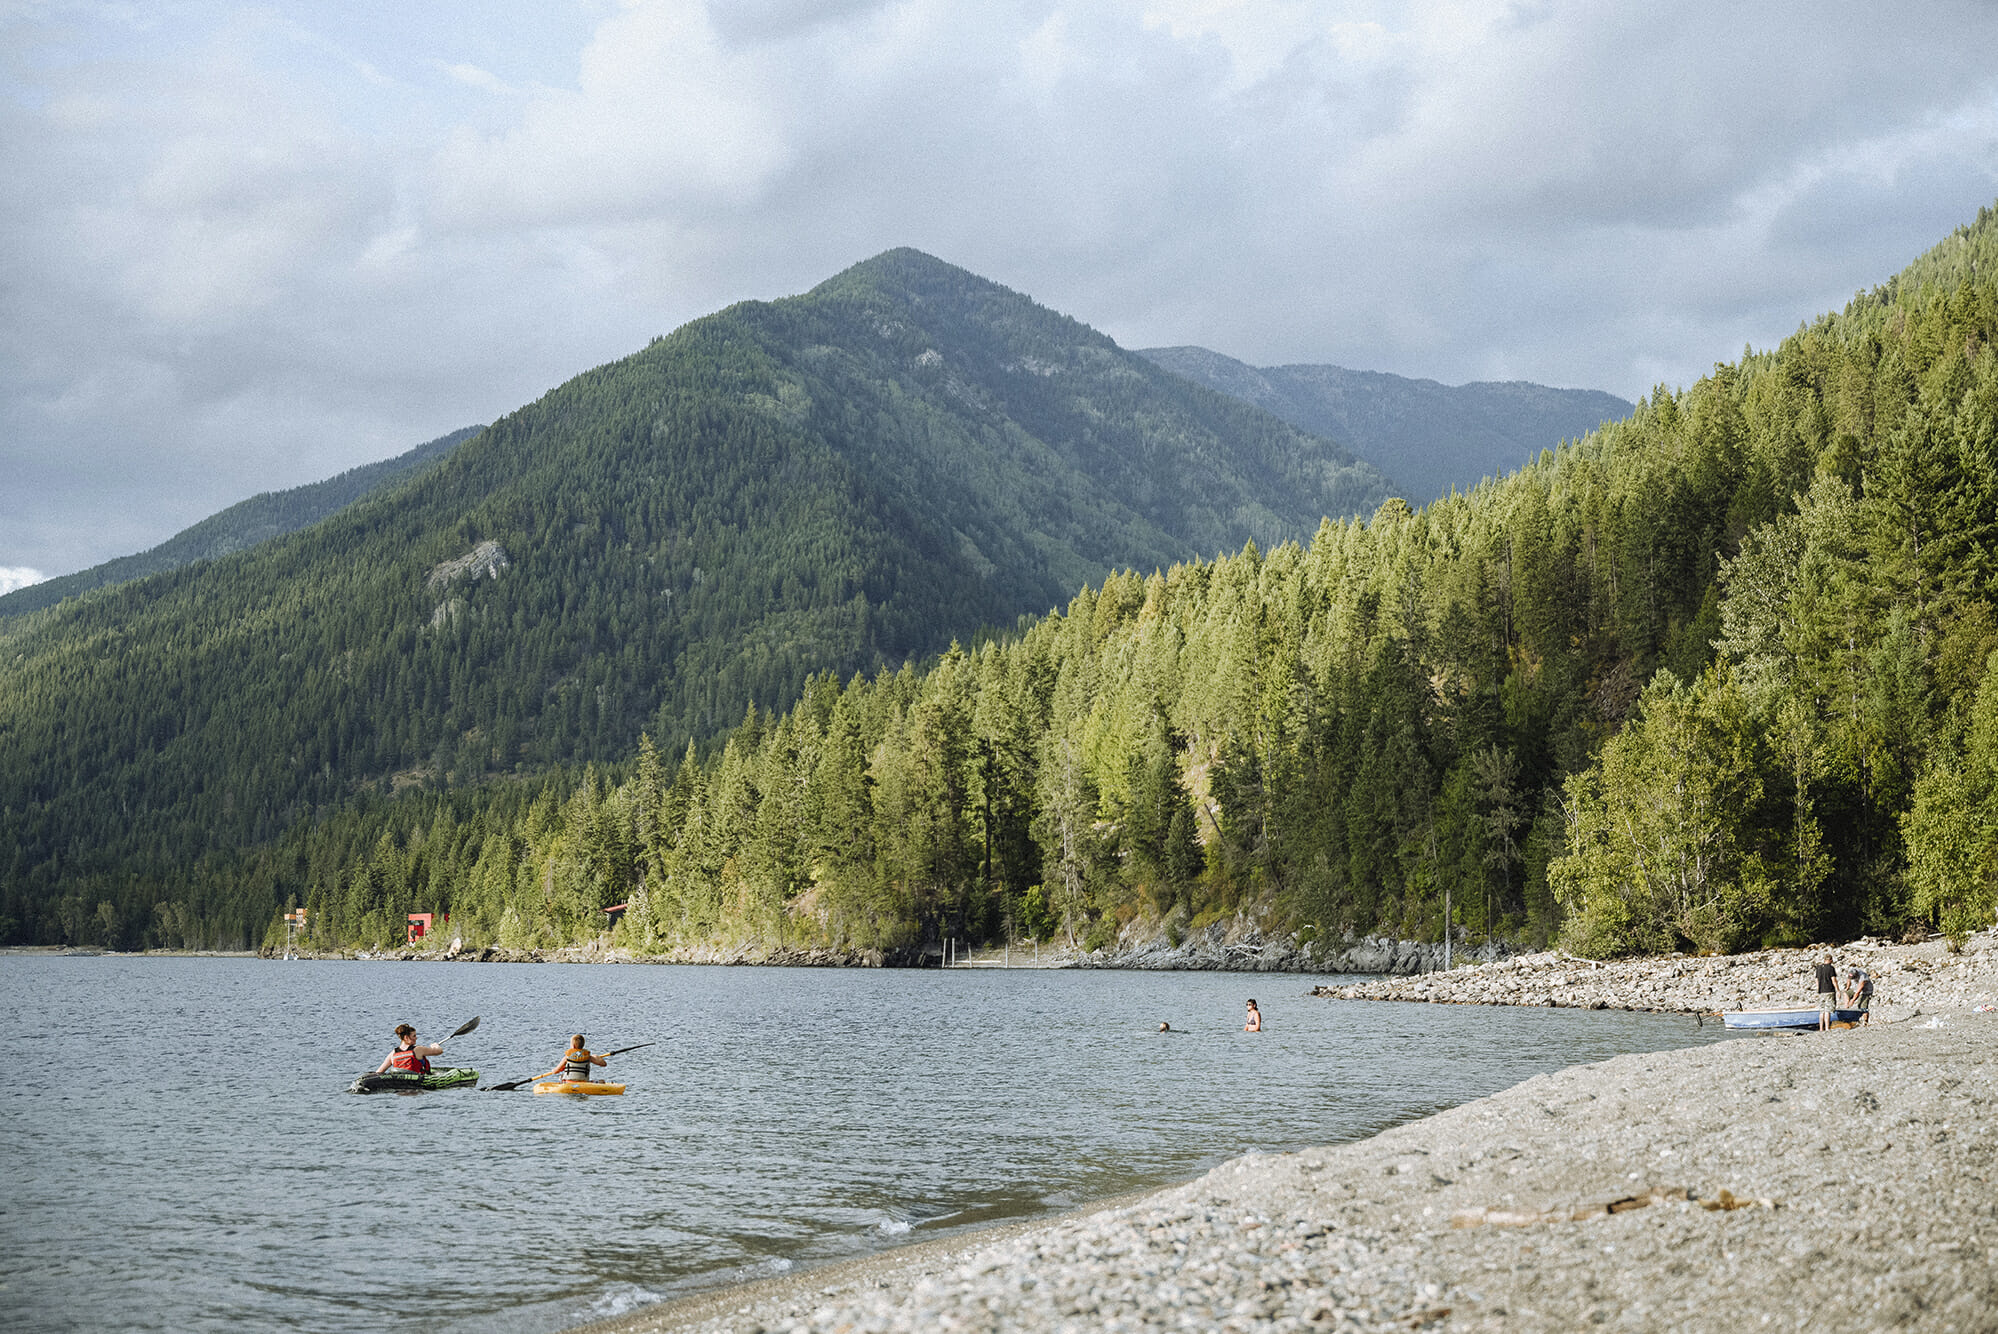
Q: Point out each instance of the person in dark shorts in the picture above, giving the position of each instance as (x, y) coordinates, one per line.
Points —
(1827, 973)
(1859, 991)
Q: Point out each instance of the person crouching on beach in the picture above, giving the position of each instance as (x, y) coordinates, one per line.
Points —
(1255, 1024)
(408, 1055)
(574, 1067)
(1859, 993)
(1827, 991)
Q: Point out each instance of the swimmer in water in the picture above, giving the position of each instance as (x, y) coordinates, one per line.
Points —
(1255, 1024)
(1165, 1028)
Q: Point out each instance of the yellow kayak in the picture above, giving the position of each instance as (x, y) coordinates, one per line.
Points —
(579, 1087)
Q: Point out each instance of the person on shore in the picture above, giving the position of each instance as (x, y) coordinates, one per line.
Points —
(1827, 973)
(1859, 991)
(1255, 1023)
(574, 1067)
(408, 1054)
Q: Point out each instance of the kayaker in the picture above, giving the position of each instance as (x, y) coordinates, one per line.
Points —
(408, 1055)
(574, 1067)
(1255, 1024)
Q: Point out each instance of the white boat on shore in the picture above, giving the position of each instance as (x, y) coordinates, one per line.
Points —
(1791, 1017)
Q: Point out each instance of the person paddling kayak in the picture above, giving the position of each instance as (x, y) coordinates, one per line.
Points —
(574, 1067)
(408, 1054)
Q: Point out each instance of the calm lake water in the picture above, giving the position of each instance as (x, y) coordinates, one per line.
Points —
(182, 1155)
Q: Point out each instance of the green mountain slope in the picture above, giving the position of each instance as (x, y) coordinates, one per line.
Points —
(835, 481)
(1430, 438)
(241, 526)
(1720, 674)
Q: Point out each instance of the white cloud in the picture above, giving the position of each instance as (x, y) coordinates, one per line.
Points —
(18, 576)
(474, 77)
(242, 252)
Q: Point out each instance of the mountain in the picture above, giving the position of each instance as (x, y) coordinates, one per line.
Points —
(1718, 676)
(241, 526)
(1430, 438)
(841, 481)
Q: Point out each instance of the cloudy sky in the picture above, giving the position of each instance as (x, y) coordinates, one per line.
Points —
(246, 246)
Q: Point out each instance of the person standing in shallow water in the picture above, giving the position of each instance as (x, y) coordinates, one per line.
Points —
(1255, 1023)
(1827, 990)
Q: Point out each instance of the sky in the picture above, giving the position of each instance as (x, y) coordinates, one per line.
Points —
(246, 246)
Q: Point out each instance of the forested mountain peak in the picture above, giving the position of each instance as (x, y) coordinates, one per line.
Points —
(843, 480)
(918, 282)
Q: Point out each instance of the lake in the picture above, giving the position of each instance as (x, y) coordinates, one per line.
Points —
(183, 1155)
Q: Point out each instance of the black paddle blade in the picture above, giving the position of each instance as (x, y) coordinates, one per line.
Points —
(622, 1050)
(508, 1087)
(466, 1027)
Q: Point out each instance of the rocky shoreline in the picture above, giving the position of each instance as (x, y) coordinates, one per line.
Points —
(1839, 1182)
(1236, 945)
(1907, 978)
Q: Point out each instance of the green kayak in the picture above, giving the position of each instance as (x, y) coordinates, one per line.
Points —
(408, 1081)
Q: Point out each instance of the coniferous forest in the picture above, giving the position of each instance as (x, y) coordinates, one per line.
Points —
(1716, 675)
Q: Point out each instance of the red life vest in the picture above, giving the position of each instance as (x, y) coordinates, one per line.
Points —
(406, 1059)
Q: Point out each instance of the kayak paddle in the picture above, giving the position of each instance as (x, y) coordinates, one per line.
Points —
(514, 1084)
(461, 1030)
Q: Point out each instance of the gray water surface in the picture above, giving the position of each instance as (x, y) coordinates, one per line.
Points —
(181, 1153)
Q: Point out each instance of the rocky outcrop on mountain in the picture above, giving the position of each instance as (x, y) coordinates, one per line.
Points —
(486, 560)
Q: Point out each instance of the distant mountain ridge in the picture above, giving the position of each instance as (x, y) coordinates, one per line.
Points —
(1429, 438)
(243, 525)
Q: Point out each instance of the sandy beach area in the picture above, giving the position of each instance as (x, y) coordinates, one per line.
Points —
(1842, 1181)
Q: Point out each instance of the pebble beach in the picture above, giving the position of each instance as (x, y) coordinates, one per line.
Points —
(1907, 979)
(1837, 1181)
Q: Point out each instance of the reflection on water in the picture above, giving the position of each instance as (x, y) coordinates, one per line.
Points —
(183, 1155)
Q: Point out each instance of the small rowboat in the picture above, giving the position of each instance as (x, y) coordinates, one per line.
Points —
(1796, 1017)
(578, 1088)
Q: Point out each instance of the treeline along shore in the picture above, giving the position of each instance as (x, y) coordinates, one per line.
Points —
(1835, 1182)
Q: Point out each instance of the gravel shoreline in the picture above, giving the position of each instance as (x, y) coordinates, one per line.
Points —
(1834, 1182)
(1907, 979)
